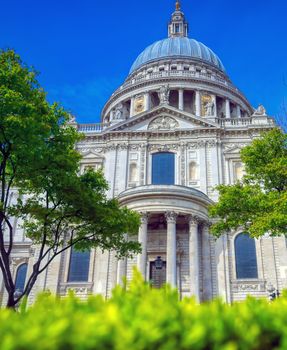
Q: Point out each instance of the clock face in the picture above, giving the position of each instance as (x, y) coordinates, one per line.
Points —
(139, 104)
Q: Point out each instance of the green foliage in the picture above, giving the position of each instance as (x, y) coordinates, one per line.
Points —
(142, 318)
(258, 203)
(59, 207)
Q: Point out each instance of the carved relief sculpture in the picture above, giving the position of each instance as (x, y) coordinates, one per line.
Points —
(163, 123)
(207, 105)
(139, 104)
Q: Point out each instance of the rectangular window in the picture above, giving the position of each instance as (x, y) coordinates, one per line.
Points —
(79, 266)
(163, 167)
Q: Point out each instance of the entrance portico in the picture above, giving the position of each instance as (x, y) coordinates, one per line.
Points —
(172, 219)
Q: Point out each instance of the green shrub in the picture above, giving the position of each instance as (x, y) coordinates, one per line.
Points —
(144, 319)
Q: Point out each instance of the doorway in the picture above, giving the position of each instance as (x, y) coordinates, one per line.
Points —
(157, 276)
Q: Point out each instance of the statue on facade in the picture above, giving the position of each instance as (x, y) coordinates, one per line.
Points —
(209, 108)
(163, 94)
(118, 112)
(72, 119)
(260, 110)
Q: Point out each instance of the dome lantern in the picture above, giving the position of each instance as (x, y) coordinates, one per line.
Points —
(178, 26)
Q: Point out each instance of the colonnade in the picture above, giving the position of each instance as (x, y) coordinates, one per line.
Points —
(171, 250)
(195, 105)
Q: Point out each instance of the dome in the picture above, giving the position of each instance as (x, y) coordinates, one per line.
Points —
(177, 47)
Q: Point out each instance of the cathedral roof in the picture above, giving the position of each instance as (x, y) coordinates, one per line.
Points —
(177, 47)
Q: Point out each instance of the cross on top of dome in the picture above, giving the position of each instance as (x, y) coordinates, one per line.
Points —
(178, 26)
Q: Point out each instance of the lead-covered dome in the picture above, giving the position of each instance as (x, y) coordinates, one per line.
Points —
(177, 47)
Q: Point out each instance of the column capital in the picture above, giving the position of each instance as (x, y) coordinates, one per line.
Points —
(171, 216)
(144, 217)
(193, 220)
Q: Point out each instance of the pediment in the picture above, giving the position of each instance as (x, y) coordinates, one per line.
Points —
(163, 118)
(232, 152)
(91, 155)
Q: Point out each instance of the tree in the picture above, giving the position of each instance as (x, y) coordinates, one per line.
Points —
(59, 207)
(257, 203)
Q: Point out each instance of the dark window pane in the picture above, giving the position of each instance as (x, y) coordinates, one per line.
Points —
(21, 277)
(245, 257)
(163, 168)
(79, 266)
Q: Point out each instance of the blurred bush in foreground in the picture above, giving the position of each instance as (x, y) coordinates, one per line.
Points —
(144, 319)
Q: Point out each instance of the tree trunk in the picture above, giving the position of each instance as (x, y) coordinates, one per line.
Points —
(11, 302)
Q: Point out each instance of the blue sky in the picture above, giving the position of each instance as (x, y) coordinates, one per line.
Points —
(84, 49)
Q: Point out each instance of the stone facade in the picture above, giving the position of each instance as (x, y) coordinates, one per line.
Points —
(189, 107)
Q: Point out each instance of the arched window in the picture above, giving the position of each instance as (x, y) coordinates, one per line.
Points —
(21, 277)
(192, 171)
(133, 172)
(163, 168)
(245, 256)
(79, 266)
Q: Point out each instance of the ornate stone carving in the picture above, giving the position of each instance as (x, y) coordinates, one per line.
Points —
(211, 143)
(144, 217)
(163, 123)
(71, 120)
(162, 148)
(139, 104)
(193, 220)
(260, 111)
(171, 217)
(207, 105)
(192, 145)
(88, 150)
(248, 286)
(118, 112)
(163, 94)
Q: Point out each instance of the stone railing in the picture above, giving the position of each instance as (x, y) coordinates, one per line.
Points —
(92, 128)
(223, 122)
(234, 122)
(176, 74)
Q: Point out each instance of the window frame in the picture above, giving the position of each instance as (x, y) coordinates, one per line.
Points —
(68, 262)
(16, 274)
(151, 167)
(258, 258)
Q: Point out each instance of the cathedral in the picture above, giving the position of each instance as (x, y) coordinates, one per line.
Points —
(168, 136)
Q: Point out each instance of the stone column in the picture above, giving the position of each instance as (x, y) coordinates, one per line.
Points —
(238, 111)
(121, 270)
(142, 238)
(206, 263)
(171, 249)
(227, 108)
(147, 97)
(197, 104)
(215, 106)
(194, 258)
(180, 100)
(132, 107)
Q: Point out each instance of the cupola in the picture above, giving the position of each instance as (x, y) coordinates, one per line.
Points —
(178, 26)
